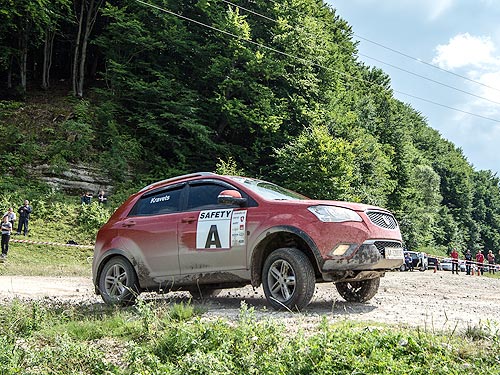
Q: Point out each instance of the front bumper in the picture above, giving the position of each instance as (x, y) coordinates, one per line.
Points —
(371, 255)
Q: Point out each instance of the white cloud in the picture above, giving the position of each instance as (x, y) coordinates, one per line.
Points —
(465, 50)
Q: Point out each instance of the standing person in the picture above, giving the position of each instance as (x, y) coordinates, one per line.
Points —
(24, 216)
(12, 216)
(468, 262)
(454, 261)
(491, 262)
(479, 261)
(6, 230)
(102, 198)
(86, 198)
(409, 262)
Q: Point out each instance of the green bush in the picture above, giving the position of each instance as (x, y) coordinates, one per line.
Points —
(92, 216)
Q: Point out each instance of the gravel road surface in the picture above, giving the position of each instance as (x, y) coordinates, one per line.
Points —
(434, 301)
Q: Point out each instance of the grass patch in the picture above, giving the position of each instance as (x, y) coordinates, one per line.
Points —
(150, 338)
(42, 260)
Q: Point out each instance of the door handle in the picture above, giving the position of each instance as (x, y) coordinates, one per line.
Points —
(188, 219)
(128, 223)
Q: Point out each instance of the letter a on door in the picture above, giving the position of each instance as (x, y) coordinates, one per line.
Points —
(213, 238)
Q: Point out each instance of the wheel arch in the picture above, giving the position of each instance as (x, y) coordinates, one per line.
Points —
(282, 237)
(105, 258)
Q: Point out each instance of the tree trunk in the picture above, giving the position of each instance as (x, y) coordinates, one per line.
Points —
(23, 61)
(92, 12)
(47, 57)
(9, 72)
(74, 72)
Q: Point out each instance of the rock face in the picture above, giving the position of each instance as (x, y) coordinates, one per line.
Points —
(76, 179)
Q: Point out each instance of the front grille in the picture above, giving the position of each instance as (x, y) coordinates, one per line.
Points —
(381, 245)
(382, 219)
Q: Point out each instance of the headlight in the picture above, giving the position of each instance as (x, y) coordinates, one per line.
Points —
(331, 214)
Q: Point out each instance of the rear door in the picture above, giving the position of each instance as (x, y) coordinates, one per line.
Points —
(150, 231)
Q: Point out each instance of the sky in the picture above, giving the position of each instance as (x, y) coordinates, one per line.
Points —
(462, 38)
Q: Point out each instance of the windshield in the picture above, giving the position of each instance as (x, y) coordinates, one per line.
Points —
(268, 190)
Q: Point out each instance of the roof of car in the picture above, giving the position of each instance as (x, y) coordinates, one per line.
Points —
(177, 178)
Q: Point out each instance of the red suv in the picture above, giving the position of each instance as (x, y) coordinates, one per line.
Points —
(204, 232)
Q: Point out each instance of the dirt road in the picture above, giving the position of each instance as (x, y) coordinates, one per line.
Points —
(435, 301)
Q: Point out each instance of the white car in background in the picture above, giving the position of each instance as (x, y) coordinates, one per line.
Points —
(446, 265)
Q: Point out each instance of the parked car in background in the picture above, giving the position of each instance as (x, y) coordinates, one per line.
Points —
(432, 262)
(419, 261)
(204, 232)
(446, 265)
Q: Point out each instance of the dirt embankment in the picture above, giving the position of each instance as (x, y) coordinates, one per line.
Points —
(435, 301)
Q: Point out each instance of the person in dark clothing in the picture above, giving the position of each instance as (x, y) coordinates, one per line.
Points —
(409, 262)
(86, 198)
(24, 216)
(468, 262)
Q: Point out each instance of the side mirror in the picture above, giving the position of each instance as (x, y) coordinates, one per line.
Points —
(231, 198)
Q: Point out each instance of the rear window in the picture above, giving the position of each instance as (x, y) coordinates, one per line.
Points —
(160, 202)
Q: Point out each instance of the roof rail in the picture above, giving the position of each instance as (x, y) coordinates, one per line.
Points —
(173, 179)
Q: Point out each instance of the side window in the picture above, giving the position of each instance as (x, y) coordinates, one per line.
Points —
(157, 203)
(204, 196)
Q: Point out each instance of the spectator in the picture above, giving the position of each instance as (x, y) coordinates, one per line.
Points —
(86, 198)
(479, 261)
(103, 199)
(6, 230)
(409, 262)
(491, 262)
(24, 216)
(454, 261)
(468, 262)
(11, 215)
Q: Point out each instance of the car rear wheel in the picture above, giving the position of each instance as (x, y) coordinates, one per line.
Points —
(118, 282)
(288, 279)
(358, 291)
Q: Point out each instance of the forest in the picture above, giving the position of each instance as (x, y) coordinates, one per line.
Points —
(270, 89)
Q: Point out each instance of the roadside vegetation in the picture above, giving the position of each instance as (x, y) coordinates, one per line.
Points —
(157, 338)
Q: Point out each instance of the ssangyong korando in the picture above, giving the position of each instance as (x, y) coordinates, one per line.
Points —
(204, 232)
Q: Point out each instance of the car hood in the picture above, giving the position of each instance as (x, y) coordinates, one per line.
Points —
(360, 207)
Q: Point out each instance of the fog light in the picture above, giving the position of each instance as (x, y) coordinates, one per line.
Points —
(341, 249)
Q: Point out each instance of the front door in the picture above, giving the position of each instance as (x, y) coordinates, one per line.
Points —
(212, 237)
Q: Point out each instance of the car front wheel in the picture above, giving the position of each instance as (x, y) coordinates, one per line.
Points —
(358, 291)
(118, 282)
(288, 279)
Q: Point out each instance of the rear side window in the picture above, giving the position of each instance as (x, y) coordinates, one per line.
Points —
(160, 202)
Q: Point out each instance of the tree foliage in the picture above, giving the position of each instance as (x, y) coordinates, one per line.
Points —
(206, 84)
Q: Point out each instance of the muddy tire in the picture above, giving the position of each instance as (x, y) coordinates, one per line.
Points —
(358, 291)
(118, 282)
(288, 279)
(200, 292)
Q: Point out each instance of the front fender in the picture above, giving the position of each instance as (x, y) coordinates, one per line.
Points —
(278, 237)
